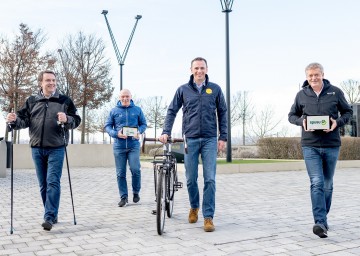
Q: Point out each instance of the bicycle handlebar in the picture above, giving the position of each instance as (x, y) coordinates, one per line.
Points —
(169, 140)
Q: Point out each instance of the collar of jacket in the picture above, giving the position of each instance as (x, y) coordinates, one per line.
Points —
(191, 81)
(40, 95)
(119, 105)
(325, 82)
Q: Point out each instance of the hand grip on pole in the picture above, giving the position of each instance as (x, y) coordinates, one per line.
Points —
(60, 123)
(11, 126)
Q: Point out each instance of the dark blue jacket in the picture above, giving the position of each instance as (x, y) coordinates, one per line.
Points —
(331, 102)
(201, 111)
(121, 116)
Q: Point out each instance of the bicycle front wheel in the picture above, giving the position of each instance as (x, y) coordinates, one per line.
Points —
(160, 202)
(171, 190)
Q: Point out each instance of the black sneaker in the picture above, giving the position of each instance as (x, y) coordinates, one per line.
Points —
(123, 202)
(320, 230)
(136, 198)
(47, 225)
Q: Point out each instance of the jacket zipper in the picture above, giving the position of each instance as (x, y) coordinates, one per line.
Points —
(43, 126)
(200, 110)
(127, 121)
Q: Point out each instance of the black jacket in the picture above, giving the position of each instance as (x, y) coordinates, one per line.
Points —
(40, 115)
(201, 111)
(331, 102)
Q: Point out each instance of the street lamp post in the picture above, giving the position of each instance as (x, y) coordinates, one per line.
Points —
(87, 53)
(226, 6)
(67, 87)
(121, 58)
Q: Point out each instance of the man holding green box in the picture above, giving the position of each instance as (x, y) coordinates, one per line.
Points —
(321, 109)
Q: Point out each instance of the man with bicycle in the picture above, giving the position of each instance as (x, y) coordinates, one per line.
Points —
(204, 107)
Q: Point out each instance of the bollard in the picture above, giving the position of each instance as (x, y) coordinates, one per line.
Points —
(3, 158)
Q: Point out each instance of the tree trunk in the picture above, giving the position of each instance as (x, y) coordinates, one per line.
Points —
(83, 126)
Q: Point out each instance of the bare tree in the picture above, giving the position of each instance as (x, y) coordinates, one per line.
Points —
(20, 62)
(263, 123)
(351, 90)
(91, 125)
(87, 74)
(155, 111)
(101, 119)
(242, 111)
(235, 112)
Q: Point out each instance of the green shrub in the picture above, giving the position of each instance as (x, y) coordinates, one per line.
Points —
(290, 148)
(149, 146)
(350, 148)
(280, 148)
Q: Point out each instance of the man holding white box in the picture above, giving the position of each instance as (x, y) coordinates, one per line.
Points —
(125, 122)
(321, 109)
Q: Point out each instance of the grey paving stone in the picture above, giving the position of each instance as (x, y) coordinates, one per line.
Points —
(258, 214)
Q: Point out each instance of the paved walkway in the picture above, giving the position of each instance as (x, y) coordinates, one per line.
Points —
(257, 214)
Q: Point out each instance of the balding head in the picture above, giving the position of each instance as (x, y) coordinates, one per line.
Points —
(125, 97)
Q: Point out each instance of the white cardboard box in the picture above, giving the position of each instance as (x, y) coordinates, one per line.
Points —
(318, 122)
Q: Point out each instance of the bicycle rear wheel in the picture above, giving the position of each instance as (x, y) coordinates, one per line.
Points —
(160, 201)
(171, 190)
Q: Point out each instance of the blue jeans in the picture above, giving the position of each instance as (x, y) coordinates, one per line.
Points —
(207, 148)
(320, 165)
(132, 156)
(48, 164)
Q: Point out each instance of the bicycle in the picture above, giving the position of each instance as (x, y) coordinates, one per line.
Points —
(165, 181)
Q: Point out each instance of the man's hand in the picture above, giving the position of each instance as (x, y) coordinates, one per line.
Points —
(333, 125)
(163, 138)
(221, 145)
(121, 135)
(137, 136)
(304, 125)
(62, 118)
(11, 117)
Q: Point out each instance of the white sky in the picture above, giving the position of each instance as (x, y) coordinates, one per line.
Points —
(271, 41)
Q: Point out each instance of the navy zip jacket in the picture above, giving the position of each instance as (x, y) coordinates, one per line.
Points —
(120, 116)
(201, 111)
(331, 102)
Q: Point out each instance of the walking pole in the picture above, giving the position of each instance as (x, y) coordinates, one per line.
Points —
(67, 164)
(10, 128)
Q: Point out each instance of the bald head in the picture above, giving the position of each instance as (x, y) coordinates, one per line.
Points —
(125, 97)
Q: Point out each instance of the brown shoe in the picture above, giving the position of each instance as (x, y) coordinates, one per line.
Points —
(193, 215)
(208, 225)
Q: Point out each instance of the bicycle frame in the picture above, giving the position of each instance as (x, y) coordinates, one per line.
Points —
(165, 182)
(165, 163)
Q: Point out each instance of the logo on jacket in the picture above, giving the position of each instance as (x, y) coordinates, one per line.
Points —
(208, 91)
(333, 93)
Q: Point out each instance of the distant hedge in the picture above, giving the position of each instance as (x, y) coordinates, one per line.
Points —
(150, 147)
(290, 148)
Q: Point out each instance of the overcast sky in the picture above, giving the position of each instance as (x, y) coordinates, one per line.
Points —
(271, 41)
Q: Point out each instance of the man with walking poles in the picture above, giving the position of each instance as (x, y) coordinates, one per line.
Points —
(48, 115)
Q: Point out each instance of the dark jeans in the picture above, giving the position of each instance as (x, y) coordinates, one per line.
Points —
(48, 165)
(320, 165)
(131, 156)
(207, 148)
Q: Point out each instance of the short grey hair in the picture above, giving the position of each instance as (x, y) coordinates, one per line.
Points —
(314, 65)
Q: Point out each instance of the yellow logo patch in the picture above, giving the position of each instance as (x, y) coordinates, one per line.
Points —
(208, 91)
